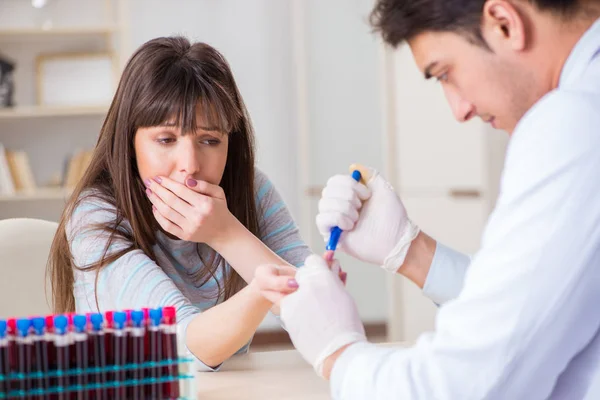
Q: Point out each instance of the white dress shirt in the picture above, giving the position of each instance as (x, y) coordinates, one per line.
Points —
(446, 274)
(526, 324)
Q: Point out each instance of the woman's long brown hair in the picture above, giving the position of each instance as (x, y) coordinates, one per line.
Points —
(165, 78)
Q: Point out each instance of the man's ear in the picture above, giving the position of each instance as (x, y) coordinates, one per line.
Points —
(503, 26)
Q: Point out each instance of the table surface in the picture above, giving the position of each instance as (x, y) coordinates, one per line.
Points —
(281, 375)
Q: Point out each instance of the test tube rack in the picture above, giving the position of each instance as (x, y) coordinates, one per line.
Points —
(129, 354)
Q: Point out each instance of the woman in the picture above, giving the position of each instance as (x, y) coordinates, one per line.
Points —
(171, 210)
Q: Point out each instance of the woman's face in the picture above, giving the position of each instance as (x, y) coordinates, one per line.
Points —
(163, 151)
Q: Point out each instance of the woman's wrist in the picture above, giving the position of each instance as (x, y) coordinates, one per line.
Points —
(255, 293)
(241, 249)
(227, 237)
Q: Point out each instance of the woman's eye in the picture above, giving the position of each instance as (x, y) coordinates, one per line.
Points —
(210, 142)
(443, 77)
(165, 140)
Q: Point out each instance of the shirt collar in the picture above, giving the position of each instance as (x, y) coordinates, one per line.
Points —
(584, 51)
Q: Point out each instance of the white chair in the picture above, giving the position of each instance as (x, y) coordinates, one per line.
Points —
(24, 249)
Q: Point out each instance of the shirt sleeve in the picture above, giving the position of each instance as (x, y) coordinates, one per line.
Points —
(446, 274)
(278, 229)
(133, 281)
(509, 333)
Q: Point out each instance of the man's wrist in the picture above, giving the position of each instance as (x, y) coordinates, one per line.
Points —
(418, 259)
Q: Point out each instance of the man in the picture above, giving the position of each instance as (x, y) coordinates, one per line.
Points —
(524, 323)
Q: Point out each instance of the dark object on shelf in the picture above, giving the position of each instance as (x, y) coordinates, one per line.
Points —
(7, 84)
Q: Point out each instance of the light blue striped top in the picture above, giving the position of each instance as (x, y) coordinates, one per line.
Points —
(135, 281)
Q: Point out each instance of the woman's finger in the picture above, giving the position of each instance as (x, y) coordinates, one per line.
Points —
(174, 194)
(344, 277)
(167, 225)
(275, 278)
(335, 266)
(205, 188)
(165, 209)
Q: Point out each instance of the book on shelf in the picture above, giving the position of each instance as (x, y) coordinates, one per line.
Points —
(76, 167)
(21, 172)
(16, 175)
(7, 186)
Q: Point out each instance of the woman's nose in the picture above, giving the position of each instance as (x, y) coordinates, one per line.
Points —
(188, 159)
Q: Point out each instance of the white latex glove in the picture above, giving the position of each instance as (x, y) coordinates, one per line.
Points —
(320, 316)
(375, 226)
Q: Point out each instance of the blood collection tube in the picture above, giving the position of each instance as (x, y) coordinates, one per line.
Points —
(169, 353)
(155, 342)
(4, 362)
(51, 355)
(40, 368)
(120, 353)
(24, 345)
(109, 342)
(97, 353)
(61, 343)
(128, 357)
(71, 378)
(13, 384)
(136, 352)
(146, 371)
(80, 340)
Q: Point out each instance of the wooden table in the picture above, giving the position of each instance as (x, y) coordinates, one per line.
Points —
(280, 375)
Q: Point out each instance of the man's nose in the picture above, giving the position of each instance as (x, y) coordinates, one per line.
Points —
(462, 109)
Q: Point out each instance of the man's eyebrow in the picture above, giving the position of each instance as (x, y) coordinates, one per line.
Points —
(428, 68)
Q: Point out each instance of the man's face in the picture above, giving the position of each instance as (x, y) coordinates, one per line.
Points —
(494, 86)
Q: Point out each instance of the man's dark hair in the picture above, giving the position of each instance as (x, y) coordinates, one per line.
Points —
(401, 20)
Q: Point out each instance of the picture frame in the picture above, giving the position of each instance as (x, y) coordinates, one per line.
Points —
(75, 79)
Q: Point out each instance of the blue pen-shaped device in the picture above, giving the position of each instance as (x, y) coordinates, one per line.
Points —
(336, 231)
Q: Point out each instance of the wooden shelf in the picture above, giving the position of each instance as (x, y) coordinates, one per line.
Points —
(42, 111)
(39, 194)
(58, 31)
